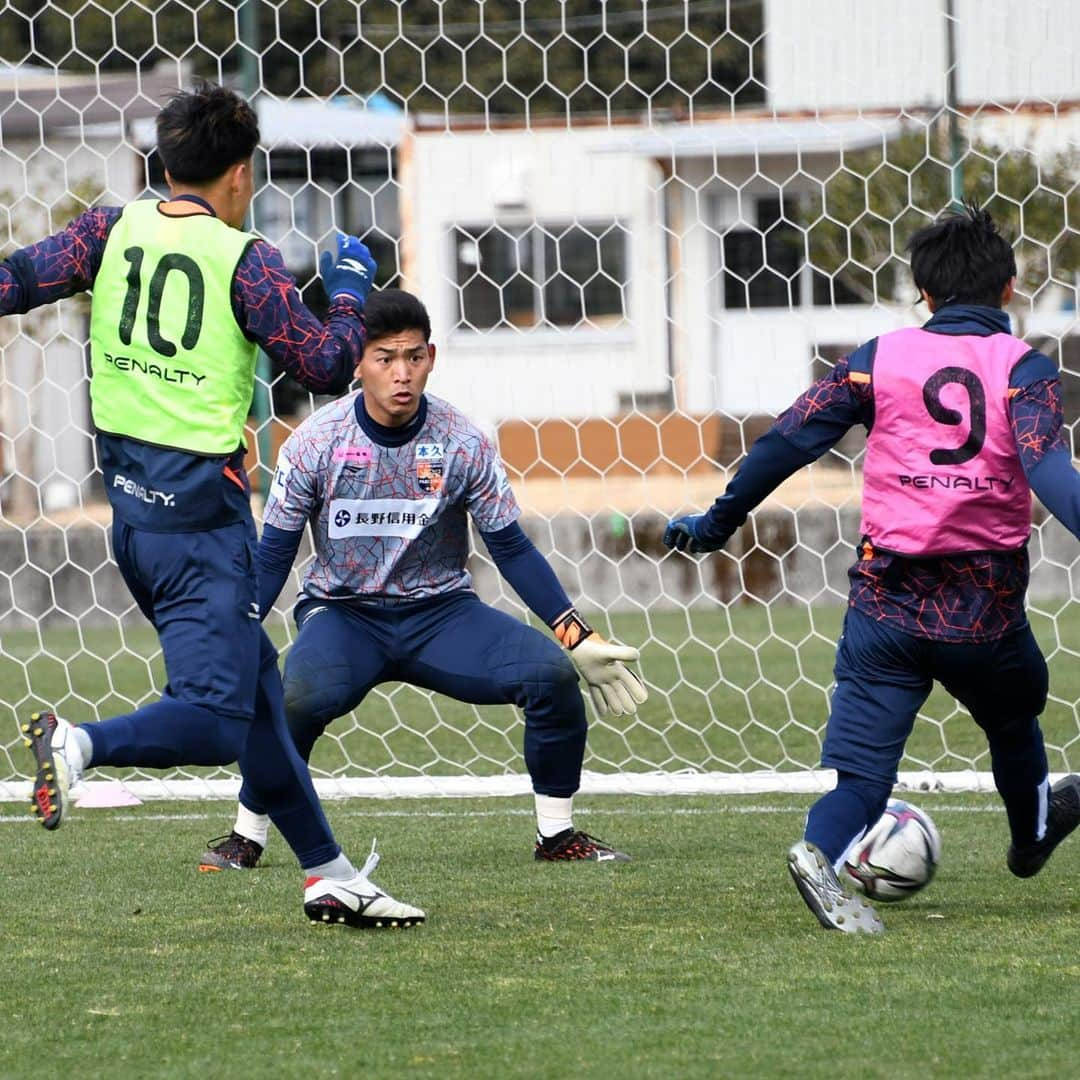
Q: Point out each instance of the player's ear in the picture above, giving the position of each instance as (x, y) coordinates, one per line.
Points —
(1008, 292)
(240, 174)
(431, 353)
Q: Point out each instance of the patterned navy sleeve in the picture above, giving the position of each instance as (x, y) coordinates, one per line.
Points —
(1038, 425)
(58, 266)
(321, 357)
(822, 415)
(1035, 410)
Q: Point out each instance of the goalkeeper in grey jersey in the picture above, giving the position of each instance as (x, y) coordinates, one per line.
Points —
(388, 478)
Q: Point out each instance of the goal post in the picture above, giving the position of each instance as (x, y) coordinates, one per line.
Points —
(641, 229)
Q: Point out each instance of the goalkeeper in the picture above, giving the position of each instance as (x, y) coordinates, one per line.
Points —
(388, 478)
(964, 422)
(182, 299)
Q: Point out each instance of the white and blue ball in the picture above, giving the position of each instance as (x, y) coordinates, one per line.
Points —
(898, 856)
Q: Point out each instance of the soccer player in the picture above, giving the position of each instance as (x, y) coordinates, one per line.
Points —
(388, 478)
(183, 297)
(964, 421)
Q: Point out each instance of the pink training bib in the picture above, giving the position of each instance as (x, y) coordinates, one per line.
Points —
(942, 473)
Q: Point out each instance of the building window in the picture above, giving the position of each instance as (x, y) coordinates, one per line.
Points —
(525, 276)
(761, 265)
(765, 266)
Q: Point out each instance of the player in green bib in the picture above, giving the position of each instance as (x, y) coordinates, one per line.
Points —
(190, 390)
(182, 300)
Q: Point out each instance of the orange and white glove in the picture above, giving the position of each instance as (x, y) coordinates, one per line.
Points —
(613, 687)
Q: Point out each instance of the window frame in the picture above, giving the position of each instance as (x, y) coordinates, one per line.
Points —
(544, 231)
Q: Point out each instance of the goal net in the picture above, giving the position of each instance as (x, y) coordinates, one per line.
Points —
(641, 229)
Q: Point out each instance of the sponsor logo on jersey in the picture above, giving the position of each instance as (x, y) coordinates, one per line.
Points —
(280, 482)
(155, 371)
(143, 493)
(429, 467)
(406, 518)
(353, 455)
(957, 483)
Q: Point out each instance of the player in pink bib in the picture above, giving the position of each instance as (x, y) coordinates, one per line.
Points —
(955, 498)
(963, 423)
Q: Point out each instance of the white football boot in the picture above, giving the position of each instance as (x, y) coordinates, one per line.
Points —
(836, 907)
(58, 763)
(358, 902)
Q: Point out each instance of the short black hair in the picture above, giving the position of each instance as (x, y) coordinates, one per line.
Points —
(204, 131)
(389, 311)
(962, 258)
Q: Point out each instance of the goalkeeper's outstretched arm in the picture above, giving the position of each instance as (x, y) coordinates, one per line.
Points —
(613, 687)
(274, 559)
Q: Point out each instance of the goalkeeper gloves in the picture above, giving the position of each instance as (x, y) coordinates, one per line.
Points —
(613, 687)
(352, 273)
(685, 534)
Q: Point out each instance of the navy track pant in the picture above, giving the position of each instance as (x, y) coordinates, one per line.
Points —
(223, 702)
(453, 644)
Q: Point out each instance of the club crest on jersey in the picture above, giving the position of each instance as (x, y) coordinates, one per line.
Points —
(429, 467)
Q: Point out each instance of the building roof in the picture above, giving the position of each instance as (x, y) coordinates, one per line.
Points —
(758, 137)
(347, 121)
(310, 122)
(39, 101)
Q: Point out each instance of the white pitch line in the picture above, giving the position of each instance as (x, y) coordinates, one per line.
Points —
(133, 816)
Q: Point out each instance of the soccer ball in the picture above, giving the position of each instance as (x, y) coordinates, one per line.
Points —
(898, 856)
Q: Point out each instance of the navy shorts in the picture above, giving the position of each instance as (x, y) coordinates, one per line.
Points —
(199, 590)
(884, 676)
(454, 644)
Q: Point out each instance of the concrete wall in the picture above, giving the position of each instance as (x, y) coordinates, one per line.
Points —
(606, 561)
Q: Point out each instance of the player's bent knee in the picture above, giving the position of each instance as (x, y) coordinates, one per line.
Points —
(310, 707)
(1011, 730)
(552, 676)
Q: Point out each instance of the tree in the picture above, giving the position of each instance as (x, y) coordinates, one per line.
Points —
(497, 58)
(858, 224)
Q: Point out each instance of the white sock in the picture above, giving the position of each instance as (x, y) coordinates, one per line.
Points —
(339, 869)
(84, 746)
(254, 826)
(553, 814)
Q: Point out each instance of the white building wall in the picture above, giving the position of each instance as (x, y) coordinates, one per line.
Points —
(473, 178)
(44, 393)
(867, 54)
(755, 361)
(1042, 133)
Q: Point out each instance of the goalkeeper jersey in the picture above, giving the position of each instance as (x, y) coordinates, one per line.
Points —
(390, 506)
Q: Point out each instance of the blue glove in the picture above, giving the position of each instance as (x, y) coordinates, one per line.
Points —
(352, 273)
(684, 534)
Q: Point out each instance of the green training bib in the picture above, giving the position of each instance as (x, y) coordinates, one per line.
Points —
(171, 366)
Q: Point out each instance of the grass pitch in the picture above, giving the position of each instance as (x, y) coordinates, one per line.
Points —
(732, 689)
(698, 959)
